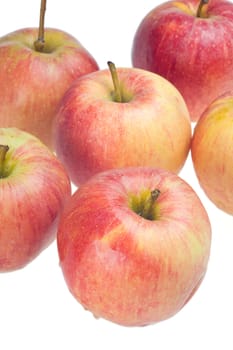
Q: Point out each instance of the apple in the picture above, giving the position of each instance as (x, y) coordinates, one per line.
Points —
(134, 245)
(35, 74)
(34, 188)
(190, 43)
(212, 151)
(114, 118)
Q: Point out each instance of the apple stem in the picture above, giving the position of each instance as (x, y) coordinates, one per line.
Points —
(147, 210)
(3, 151)
(201, 4)
(40, 42)
(117, 91)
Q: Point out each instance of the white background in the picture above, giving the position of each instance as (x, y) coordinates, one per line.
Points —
(36, 309)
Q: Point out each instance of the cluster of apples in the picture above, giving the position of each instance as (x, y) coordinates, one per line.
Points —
(134, 238)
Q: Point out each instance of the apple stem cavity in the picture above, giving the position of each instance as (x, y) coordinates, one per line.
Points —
(200, 8)
(40, 42)
(117, 97)
(147, 211)
(3, 151)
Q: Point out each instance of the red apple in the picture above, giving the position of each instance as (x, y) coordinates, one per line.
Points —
(35, 77)
(134, 245)
(212, 150)
(146, 125)
(33, 190)
(190, 43)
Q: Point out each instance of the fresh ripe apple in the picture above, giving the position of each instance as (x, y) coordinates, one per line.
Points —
(33, 79)
(134, 245)
(33, 190)
(190, 43)
(212, 150)
(141, 121)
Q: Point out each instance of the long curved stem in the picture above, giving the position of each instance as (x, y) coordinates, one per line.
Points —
(40, 42)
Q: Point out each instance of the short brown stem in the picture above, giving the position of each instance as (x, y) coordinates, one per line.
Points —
(3, 151)
(117, 91)
(40, 42)
(147, 210)
(200, 7)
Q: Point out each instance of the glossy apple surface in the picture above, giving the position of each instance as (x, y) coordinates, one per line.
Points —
(212, 150)
(126, 258)
(32, 83)
(194, 53)
(150, 127)
(33, 190)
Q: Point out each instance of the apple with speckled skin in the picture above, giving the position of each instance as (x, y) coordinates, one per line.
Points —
(134, 245)
(34, 75)
(190, 43)
(121, 117)
(212, 150)
(34, 188)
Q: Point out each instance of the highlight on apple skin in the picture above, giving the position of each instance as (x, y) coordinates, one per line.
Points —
(190, 43)
(94, 132)
(212, 150)
(134, 245)
(33, 82)
(34, 188)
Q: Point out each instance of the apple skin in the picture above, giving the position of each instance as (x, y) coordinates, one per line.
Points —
(32, 83)
(125, 268)
(93, 133)
(33, 193)
(212, 151)
(195, 54)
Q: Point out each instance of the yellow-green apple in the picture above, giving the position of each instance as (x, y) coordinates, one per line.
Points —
(33, 79)
(212, 150)
(118, 118)
(190, 43)
(34, 187)
(134, 245)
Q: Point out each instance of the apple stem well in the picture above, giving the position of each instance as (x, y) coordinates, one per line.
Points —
(40, 42)
(144, 205)
(3, 151)
(200, 13)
